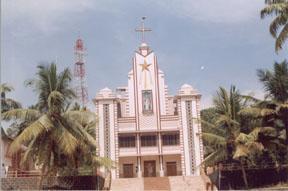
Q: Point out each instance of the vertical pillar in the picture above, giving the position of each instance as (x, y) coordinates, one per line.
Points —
(161, 166)
(161, 172)
(139, 173)
(181, 137)
(139, 169)
(138, 143)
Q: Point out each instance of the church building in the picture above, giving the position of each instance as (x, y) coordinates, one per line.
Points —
(143, 128)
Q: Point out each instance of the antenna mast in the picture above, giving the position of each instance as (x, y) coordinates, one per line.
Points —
(79, 73)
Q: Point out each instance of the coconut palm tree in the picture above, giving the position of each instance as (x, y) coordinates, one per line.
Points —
(222, 134)
(276, 86)
(53, 136)
(273, 111)
(226, 127)
(279, 25)
(48, 80)
(7, 103)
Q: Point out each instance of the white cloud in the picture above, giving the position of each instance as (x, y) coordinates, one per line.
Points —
(47, 16)
(42, 15)
(215, 11)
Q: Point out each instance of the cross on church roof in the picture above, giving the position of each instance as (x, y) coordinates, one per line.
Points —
(142, 29)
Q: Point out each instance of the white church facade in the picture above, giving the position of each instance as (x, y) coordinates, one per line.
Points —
(146, 131)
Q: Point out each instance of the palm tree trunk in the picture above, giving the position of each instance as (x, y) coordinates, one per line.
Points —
(286, 127)
(76, 163)
(285, 120)
(45, 166)
(42, 177)
(244, 174)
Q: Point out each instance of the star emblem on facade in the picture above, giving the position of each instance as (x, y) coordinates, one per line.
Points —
(145, 66)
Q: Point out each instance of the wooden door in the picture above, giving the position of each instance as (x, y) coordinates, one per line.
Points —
(171, 168)
(128, 170)
(150, 168)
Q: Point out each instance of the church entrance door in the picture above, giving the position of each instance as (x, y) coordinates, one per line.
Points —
(128, 170)
(171, 168)
(150, 168)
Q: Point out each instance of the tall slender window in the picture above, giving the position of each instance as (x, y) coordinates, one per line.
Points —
(119, 114)
(106, 130)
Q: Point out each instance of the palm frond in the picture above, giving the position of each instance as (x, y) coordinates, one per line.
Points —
(246, 139)
(241, 151)
(213, 128)
(12, 103)
(5, 88)
(29, 152)
(282, 108)
(43, 124)
(278, 22)
(250, 98)
(48, 80)
(21, 114)
(274, 1)
(282, 134)
(256, 112)
(65, 140)
(103, 161)
(268, 132)
(282, 37)
(215, 157)
(226, 120)
(85, 118)
(213, 140)
(77, 130)
(273, 9)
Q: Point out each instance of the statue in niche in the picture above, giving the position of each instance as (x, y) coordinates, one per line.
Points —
(147, 101)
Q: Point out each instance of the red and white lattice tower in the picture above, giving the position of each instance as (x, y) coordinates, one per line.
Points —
(79, 72)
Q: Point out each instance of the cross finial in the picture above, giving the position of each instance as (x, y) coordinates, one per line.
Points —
(142, 29)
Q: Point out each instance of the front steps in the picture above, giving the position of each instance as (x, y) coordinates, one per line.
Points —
(159, 183)
(127, 184)
(156, 183)
(187, 183)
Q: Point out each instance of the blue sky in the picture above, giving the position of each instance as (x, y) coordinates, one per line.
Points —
(227, 38)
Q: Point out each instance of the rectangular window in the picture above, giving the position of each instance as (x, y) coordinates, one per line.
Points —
(148, 140)
(170, 139)
(127, 141)
(147, 102)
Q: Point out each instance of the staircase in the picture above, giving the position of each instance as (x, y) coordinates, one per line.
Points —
(159, 183)
(186, 183)
(156, 183)
(127, 184)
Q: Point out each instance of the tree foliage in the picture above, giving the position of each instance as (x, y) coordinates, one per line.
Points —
(279, 25)
(7, 103)
(57, 139)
